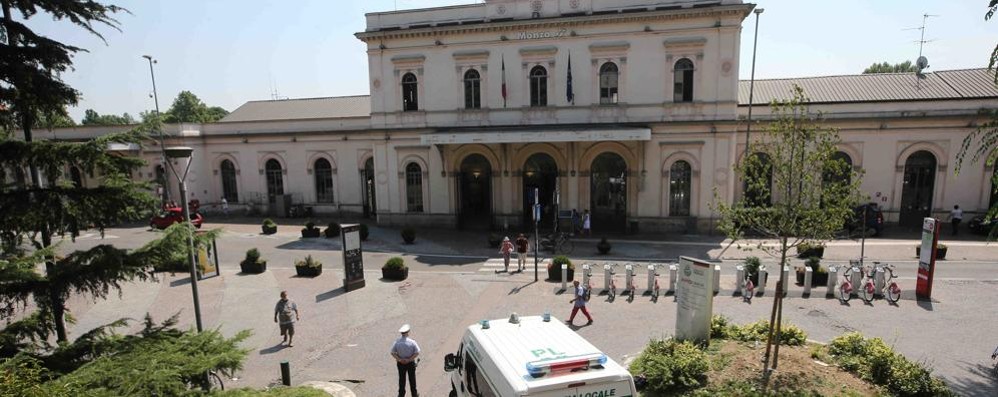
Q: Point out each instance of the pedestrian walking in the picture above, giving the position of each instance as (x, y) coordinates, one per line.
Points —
(749, 290)
(522, 247)
(506, 250)
(405, 351)
(580, 303)
(282, 315)
(576, 222)
(225, 206)
(956, 216)
(587, 223)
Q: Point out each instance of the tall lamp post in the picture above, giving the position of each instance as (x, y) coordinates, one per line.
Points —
(162, 147)
(183, 152)
(755, 45)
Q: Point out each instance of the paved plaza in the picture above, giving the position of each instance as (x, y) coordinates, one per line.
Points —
(345, 337)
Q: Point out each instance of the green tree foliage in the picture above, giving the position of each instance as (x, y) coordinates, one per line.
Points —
(188, 108)
(91, 117)
(796, 190)
(887, 67)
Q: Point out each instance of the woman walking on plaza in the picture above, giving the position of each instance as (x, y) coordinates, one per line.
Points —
(506, 250)
(522, 246)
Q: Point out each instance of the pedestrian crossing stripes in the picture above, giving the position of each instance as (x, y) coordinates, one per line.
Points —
(497, 265)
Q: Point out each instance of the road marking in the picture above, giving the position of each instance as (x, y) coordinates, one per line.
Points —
(497, 265)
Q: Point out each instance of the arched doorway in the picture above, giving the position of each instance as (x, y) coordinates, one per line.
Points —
(540, 174)
(370, 200)
(608, 193)
(275, 180)
(76, 176)
(919, 186)
(475, 192)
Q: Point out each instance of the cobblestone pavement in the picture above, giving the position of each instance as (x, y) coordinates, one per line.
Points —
(345, 337)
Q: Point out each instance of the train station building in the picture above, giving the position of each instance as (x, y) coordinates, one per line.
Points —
(631, 109)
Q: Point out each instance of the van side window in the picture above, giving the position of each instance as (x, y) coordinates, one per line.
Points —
(476, 383)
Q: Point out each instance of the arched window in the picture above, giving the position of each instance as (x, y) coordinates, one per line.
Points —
(472, 90)
(410, 93)
(275, 180)
(323, 172)
(229, 188)
(414, 187)
(608, 83)
(76, 176)
(840, 169)
(759, 181)
(680, 187)
(538, 86)
(683, 76)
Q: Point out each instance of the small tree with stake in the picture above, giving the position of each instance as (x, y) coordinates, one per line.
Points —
(796, 192)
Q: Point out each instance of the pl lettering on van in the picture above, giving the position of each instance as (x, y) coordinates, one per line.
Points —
(601, 393)
(541, 35)
(538, 353)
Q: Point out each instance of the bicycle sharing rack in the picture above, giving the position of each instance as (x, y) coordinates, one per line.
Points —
(786, 278)
(879, 281)
(717, 279)
(763, 277)
(739, 280)
(607, 268)
(650, 288)
(564, 278)
(673, 276)
(628, 279)
(833, 280)
(808, 276)
(586, 270)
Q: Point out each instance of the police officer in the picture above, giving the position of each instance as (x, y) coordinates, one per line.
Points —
(405, 351)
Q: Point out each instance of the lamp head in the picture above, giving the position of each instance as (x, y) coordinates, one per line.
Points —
(179, 152)
(149, 57)
(758, 11)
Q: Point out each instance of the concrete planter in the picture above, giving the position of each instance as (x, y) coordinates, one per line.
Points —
(253, 267)
(940, 252)
(306, 271)
(395, 273)
(311, 233)
(554, 273)
(268, 229)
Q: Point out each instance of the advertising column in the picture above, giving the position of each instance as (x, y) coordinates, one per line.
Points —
(353, 258)
(927, 258)
(695, 300)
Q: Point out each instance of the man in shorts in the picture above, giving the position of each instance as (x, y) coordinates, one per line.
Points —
(282, 315)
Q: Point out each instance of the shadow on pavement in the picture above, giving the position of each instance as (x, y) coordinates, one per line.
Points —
(309, 244)
(447, 261)
(329, 295)
(181, 281)
(516, 290)
(985, 383)
(273, 349)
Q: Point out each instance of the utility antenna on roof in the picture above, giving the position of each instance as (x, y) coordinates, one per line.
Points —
(922, 62)
(275, 95)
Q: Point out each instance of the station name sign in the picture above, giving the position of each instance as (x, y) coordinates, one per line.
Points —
(541, 35)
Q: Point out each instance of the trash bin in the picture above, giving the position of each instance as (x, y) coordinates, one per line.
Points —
(634, 227)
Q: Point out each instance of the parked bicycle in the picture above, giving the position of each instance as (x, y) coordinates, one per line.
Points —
(587, 281)
(846, 288)
(559, 243)
(631, 288)
(891, 290)
(612, 294)
(656, 290)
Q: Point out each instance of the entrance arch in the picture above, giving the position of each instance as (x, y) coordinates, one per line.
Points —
(540, 172)
(918, 188)
(608, 192)
(475, 192)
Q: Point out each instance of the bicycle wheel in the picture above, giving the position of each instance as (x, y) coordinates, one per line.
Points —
(867, 293)
(893, 293)
(215, 382)
(844, 295)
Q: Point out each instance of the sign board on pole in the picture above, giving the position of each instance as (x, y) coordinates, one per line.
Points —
(927, 258)
(208, 260)
(353, 258)
(694, 300)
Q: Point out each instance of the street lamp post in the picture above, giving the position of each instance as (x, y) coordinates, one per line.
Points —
(183, 152)
(755, 45)
(162, 147)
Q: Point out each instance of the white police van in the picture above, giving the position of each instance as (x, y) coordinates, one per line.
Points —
(532, 356)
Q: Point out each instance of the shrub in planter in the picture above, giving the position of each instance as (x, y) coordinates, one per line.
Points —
(332, 230)
(395, 269)
(752, 265)
(364, 232)
(409, 235)
(252, 263)
(554, 268)
(807, 250)
(603, 246)
(310, 231)
(269, 227)
(819, 275)
(494, 240)
(308, 267)
(940, 251)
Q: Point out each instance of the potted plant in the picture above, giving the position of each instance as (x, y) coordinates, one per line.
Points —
(252, 263)
(364, 232)
(808, 250)
(494, 240)
(332, 230)
(310, 231)
(819, 275)
(308, 267)
(409, 235)
(395, 269)
(269, 227)
(752, 265)
(603, 246)
(554, 268)
(940, 250)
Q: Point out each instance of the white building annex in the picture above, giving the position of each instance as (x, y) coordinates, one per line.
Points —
(631, 109)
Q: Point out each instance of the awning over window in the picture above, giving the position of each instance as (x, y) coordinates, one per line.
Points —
(537, 135)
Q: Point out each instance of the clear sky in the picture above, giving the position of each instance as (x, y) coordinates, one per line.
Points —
(232, 51)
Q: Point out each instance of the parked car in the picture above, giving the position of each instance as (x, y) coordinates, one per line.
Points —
(874, 221)
(981, 225)
(173, 215)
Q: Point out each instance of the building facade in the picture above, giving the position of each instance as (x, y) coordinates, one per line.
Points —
(631, 109)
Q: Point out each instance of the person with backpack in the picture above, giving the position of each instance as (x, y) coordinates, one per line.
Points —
(282, 315)
(506, 250)
(522, 247)
(580, 303)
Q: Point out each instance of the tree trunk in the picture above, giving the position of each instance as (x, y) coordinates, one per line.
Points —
(779, 305)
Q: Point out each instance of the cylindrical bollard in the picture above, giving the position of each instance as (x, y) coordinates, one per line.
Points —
(786, 279)
(628, 276)
(564, 277)
(878, 280)
(586, 270)
(606, 277)
(673, 273)
(833, 280)
(808, 275)
(739, 279)
(285, 373)
(763, 277)
(857, 280)
(717, 279)
(651, 277)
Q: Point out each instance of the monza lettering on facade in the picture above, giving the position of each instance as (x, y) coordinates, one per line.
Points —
(541, 35)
